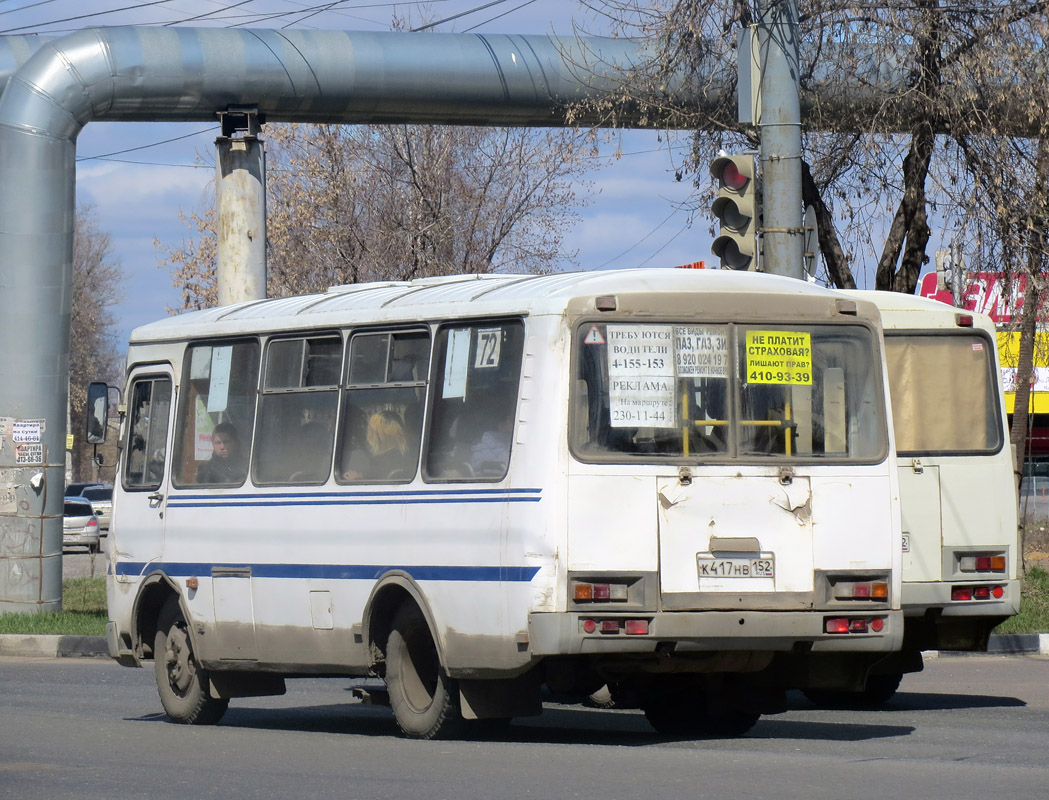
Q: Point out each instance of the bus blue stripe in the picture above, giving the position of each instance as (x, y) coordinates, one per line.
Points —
(336, 571)
(416, 493)
(218, 502)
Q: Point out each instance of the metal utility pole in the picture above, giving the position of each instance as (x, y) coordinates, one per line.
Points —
(780, 126)
(240, 202)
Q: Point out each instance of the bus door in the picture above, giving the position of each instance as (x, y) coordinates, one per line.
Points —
(745, 531)
(922, 520)
(138, 523)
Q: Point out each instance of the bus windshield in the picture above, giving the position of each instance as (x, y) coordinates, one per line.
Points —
(699, 392)
(944, 394)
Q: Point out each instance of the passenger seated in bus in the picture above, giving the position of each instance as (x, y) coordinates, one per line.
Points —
(387, 447)
(226, 464)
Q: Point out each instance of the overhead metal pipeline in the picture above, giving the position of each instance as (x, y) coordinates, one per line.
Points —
(189, 74)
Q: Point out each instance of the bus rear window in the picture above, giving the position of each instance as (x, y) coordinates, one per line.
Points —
(699, 392)
(944, 395)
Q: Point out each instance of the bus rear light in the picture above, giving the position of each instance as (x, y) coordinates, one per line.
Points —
(837, 626)
(589, 626)
(861, 590)
(981, 592)
(963, 320)
(610, 626)
(853, 624)
(637, 627)
(985, 562)
(586, 592)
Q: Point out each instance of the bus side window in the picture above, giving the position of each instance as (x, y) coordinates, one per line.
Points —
(219, 386)
(147, 433)
(383, 399)
(295, 434)
(475, 401)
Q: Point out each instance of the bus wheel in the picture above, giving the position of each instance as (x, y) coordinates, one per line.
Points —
(181, 682)
(879, 690)
(424, 699)
(686, 713)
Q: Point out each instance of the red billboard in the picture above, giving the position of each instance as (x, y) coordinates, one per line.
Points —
(985, 293)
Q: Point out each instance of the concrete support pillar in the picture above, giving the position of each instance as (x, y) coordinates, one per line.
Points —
(240, 184)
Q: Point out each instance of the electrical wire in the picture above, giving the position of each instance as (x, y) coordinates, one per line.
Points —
(87, 16)
(498, 16)
(147, 146)
(474, 10)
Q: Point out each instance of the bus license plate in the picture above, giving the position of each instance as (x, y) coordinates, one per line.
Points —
(764, 567)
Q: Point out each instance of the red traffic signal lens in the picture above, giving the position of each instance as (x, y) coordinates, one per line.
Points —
(732, 177)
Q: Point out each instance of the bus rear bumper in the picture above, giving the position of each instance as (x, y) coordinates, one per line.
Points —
(917, 597)
(704, 631)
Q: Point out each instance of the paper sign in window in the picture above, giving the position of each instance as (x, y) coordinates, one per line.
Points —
(218, 391)
(779, 357)
(641, 376)
(700, 351)
(457, 359)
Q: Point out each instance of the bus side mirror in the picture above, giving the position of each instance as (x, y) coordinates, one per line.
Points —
(97, 412)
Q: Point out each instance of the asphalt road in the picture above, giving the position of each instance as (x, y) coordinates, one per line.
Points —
(974, 727)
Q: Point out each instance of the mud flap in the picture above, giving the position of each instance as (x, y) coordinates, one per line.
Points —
(224, 685)
(501, 699)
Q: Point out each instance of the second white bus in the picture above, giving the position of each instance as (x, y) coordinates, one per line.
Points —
(960, 537)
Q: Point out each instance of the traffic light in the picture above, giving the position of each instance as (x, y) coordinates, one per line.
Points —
(738, 211)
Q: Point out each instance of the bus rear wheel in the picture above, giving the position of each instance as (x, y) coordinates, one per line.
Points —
(181, 682)
(424, 699)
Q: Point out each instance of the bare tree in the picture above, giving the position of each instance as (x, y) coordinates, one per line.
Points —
(882, 180)
(347, 204)
(93, 349)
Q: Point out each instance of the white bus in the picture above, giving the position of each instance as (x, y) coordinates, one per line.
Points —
(676, 482)
(958, 497)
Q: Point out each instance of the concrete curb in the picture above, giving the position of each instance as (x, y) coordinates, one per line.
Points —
(32, 646)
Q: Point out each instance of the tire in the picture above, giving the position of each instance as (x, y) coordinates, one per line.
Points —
(181, 682)
(878, 692)
(424, 699)
(683, 711)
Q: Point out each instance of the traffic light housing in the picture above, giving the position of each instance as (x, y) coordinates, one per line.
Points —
(737, 209)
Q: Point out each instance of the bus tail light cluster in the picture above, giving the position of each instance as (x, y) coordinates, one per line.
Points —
(861, 590)
(982, 562)
(848, 625)
(982, 592)
(629, 627)
(586, 592)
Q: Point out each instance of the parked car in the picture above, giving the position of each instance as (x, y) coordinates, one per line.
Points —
(101, 499)
(79, 525)
(77, 489)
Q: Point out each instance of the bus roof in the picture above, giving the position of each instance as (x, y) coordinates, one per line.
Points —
(901, 311)
(430, 298)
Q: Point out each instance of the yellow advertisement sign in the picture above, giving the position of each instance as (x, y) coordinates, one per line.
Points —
(1009, 355)
(783, 357)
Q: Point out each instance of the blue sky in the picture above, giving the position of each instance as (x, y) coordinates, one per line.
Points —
(138, 180)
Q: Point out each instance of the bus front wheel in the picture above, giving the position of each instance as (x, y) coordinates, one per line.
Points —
(424, 699)
(181, 682)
